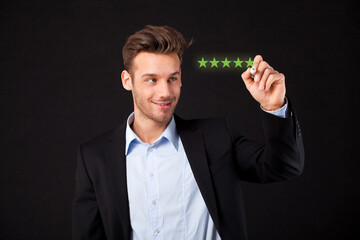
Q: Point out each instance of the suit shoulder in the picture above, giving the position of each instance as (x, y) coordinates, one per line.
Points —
(212, 120)
(204, 122)
(211, 123)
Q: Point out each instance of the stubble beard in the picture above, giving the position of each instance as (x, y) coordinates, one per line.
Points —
(146, 112)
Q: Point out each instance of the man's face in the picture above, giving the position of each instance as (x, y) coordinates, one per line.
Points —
(156, 85)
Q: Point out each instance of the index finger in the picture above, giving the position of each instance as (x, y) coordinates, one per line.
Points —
(257, 60)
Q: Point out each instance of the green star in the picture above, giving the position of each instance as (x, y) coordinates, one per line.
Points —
(238, 63)
(226, 63)
(249, 63)
(202, 63)
(214, 63)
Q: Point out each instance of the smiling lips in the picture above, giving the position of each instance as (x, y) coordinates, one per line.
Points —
(163, 106)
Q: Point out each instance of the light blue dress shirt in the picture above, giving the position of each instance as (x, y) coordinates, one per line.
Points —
(164, 199)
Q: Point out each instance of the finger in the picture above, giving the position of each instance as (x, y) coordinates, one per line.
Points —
(261, 68)
(257, 60)
(273, 78)
(246, 76)
(264, 78)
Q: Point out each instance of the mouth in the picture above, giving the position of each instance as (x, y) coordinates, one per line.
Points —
(163, 105)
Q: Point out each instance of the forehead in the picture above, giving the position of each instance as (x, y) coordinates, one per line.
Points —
(158, 63)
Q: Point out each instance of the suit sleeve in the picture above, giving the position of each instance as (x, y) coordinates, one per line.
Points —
(86, 219)
(280, 158)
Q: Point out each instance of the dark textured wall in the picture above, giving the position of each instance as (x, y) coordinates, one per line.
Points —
(60, 85)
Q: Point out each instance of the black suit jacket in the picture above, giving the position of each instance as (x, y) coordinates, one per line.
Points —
(219, 157)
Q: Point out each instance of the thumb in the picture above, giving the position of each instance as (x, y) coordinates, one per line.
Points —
(246, 76)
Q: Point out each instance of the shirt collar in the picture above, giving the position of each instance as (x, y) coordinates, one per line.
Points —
(170, 134)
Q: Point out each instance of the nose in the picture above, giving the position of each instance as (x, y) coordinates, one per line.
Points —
(164, 89)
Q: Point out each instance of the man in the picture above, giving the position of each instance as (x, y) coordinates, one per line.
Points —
(158, 176)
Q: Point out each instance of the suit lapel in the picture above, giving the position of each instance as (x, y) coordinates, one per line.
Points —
(193, 142)
(116, 165)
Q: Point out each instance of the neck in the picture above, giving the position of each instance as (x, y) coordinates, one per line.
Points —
(147, 129)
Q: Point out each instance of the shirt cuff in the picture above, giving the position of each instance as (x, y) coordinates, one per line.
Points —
(280, 112)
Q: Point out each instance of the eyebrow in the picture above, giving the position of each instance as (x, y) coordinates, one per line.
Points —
(154, 75)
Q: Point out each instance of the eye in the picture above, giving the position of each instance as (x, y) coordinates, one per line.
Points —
(172, 79)
(151, 80)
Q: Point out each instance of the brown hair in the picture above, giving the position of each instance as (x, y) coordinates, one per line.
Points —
(158, 39)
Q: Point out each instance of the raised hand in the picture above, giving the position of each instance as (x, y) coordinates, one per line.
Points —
(268, 85)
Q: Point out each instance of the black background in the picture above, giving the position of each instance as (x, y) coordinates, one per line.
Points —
(60, 86)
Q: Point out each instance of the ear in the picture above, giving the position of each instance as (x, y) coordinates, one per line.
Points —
(126, 80)
(180, 77)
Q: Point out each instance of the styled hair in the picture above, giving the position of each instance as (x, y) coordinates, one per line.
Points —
(154, 39)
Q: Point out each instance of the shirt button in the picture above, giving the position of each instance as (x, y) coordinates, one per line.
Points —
(150, 149)
(157, 230)
(154, 202)
(151, 174)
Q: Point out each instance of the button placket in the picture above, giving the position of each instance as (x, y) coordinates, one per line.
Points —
(153, 192)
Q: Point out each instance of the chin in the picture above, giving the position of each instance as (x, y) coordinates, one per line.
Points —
(157, 115)
(164, 118)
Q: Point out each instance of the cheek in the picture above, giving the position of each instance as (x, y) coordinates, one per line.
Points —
(177, 91)
(143, 92)
(148, 93)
